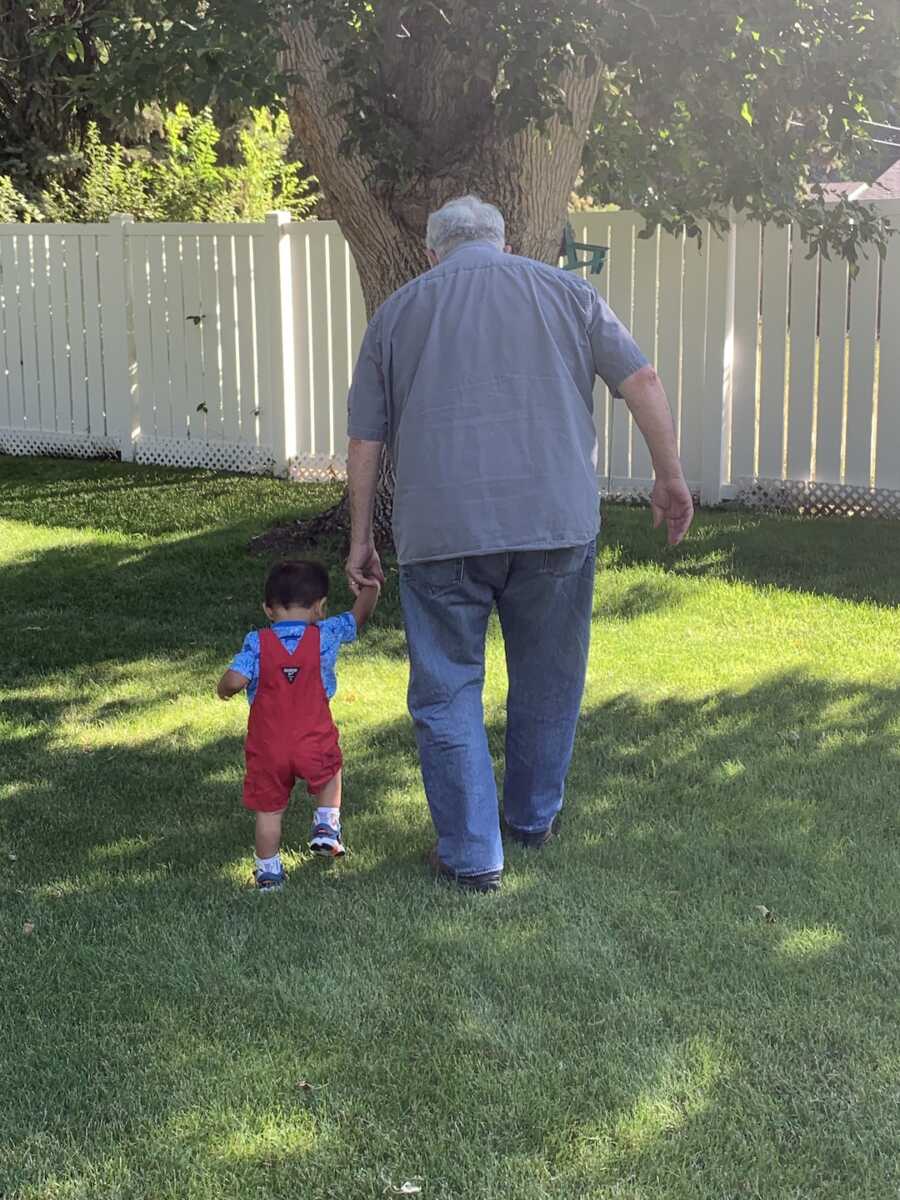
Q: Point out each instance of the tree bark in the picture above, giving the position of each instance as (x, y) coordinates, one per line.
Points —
(528, 175)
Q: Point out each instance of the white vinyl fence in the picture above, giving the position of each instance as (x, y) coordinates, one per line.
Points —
(232, 346)
(782, 371)
(227, 346)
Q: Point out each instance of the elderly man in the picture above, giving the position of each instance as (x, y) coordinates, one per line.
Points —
(479, 376)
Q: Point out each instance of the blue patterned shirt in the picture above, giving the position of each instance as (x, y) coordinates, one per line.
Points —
(334, 633)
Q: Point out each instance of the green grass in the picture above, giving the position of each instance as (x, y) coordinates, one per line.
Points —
(620, 1021)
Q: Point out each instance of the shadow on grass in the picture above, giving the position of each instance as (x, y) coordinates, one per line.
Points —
(639, 599)
(123, 498)
(73, 607)
(81, 606)
(850, 560)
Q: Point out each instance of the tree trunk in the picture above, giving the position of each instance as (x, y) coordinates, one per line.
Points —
(528, 175)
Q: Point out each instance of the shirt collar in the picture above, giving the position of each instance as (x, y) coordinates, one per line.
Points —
(486, 249)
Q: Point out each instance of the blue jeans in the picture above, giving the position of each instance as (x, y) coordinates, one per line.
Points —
(545, 602)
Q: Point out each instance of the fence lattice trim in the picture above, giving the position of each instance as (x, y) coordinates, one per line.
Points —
(22, 442)
(317, 468)
(216, 456)
(817, 499)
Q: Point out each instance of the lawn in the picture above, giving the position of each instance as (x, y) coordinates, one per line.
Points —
(695, 993)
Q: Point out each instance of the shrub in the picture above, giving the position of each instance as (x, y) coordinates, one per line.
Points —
(184, 180)
(14, 207)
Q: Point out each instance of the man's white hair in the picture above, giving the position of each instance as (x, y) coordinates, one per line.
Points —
(466, 219)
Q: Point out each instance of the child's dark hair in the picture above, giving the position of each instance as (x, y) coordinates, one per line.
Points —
(296, 582)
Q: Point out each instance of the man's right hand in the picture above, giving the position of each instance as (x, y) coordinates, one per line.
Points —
(671, 502)
(645, 396)
(363, 567)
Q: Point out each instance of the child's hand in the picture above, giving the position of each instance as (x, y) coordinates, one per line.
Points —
(366, 599)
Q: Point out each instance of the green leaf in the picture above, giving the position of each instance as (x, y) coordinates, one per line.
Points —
(747, 112)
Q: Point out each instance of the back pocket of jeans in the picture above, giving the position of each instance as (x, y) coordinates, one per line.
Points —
(566, 560)
(435, 578)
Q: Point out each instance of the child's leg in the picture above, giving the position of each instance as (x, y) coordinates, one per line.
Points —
(326, 834)
(330, 795)
(268, 833)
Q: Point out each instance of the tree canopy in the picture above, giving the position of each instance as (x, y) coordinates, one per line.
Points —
(67, 64)
(680, 109)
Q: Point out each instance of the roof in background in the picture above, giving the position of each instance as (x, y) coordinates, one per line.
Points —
(885, 187)
(834, 191)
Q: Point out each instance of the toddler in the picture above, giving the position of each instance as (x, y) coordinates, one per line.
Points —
(288, 670)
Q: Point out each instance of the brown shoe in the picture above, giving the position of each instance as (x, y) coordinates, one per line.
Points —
(487, 881)
(533, 839)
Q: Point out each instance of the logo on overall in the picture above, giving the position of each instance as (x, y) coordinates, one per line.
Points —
(290, 673)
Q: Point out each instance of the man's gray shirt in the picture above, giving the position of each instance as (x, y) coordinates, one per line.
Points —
(479, 375)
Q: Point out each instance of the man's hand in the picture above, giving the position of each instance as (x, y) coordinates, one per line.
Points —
(366, 599)
(671, 502)
(363, 567)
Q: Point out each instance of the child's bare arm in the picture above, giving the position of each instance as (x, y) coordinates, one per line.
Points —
(365, 604)
(230, 684)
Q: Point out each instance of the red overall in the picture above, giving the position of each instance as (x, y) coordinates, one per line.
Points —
(290, 734)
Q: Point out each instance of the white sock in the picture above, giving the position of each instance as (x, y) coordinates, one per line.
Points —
(328, 816)
(269, 866)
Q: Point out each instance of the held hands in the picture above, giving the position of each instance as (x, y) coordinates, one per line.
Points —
(363, 567)
(671, 502)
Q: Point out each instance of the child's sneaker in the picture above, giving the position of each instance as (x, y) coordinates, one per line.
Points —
(269, 881)
(326, 840)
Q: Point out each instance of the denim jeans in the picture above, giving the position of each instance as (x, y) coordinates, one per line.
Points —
(545, 601)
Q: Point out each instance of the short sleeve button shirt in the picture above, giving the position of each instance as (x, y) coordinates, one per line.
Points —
(480, 376)
(333, 632)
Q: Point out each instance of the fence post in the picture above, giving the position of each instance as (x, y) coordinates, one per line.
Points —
(118, 359)
(716, 438)
(279, 402)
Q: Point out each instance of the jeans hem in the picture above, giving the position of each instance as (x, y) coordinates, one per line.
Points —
(464, 872)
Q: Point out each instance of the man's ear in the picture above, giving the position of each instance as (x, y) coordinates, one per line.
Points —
(267, 610)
